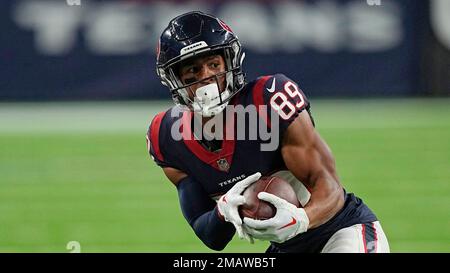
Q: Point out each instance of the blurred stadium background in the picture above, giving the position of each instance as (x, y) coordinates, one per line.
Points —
(78, 90)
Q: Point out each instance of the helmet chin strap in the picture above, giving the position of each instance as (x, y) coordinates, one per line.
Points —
(207, 100)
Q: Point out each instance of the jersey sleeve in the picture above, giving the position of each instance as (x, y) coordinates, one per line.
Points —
(203, 215)
(154, 143)
(279, 101)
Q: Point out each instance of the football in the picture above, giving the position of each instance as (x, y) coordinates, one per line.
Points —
(260, 209)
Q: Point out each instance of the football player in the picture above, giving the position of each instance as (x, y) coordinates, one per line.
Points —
(200, 60)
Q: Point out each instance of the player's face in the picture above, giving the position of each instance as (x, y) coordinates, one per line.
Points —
(201, 68)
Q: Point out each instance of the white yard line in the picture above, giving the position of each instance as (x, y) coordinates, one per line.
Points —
(85, 117)
(78, 117)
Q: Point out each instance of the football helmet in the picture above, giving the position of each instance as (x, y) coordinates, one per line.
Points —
(196, 34)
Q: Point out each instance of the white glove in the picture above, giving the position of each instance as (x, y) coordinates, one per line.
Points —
(228, 204)
(286, 224)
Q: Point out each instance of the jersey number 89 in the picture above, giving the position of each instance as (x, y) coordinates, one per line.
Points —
(279, 102)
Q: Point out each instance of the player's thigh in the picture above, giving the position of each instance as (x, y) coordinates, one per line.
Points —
(360, 238)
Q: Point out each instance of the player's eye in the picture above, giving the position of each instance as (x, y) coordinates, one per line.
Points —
(214, 65)
(192, 69)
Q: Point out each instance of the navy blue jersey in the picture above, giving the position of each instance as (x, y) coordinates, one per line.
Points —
(274, 96)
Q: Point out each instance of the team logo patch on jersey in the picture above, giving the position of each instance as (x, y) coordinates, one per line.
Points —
(223, 164)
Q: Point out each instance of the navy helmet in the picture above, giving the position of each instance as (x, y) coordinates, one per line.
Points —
(190, 35)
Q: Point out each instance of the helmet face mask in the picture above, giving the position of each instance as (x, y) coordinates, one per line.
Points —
(194, 35)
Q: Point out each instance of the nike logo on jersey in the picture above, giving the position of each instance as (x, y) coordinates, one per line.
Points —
(293, 222)
(272, 88)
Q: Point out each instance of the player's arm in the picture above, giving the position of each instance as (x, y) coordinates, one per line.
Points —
(306, 155)
(215, 224)
(200, 211)
(309, 158)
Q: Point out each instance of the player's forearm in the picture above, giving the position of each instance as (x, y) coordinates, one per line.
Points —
(327, 198)
(212, 230)
(201, 213)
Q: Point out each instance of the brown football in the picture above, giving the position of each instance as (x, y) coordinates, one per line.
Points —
(260, 209)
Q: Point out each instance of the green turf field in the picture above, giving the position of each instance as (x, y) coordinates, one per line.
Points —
(80, 172)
